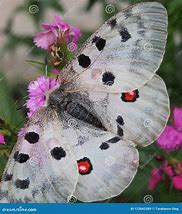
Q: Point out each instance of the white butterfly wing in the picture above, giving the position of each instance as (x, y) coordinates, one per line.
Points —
(124, 53)
(104, 173)
(42, 167)
(139, 116)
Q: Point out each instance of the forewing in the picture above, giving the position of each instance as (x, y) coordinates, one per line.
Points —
(124, 53)
(42, 167)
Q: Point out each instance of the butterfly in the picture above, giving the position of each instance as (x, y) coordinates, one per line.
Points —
(109, 101)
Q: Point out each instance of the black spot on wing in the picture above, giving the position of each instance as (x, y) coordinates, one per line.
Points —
(22, 184)
(16, 155)
(32, 137)
(22, 158)
(120, 131)
(114, 140)
(108, 78)
(58, 153)
(99, 42)
(125, 35)
(104, 146)
(8, 177)
(112, 23)
(84, 60)
(120, 120)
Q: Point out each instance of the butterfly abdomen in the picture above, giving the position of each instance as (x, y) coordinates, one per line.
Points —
(80, 112)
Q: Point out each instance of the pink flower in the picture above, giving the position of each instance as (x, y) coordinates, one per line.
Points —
(37, 91)
(156, 177)
(2, 140)
(166, 172)
(177, 179)
(54, 32)
(169, 171)
(178, 119)
(177, 182)
(171, 138)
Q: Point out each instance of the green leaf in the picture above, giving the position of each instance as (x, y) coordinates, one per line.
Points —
(8, 108)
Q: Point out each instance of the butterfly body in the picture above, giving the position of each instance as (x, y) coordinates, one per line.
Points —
(75, 104)
(83, 142)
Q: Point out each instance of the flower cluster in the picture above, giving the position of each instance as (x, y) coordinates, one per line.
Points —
(55, 32)
(172, 171)
(55, 37)
(171, 138)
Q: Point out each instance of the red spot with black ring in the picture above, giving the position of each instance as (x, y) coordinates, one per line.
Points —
(84, 166)
(130, 96)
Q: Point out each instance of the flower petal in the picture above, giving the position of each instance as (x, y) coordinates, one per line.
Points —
(76, 34)
(37, 91)
(54, 32)
(60, 23)
(178, 118)
(2, 140)
(48, 26)
(177, 182)
(169, 171)
(170, 139)
(45, 39)
(156, 177)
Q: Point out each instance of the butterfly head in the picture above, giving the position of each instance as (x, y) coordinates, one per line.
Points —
(58, 98)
